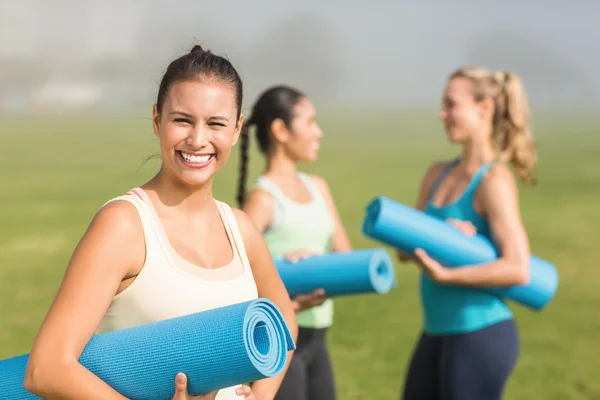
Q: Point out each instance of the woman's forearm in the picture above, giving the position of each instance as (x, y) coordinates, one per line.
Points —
(266, 389)
(499, 273)
(66, 381)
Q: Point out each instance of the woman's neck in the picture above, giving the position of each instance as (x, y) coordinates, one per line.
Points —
(175, 194)
(281, 166)
(476, 153)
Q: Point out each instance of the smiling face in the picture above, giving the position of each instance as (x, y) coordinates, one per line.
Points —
(197, 127)
(463, 116)
(302, 140)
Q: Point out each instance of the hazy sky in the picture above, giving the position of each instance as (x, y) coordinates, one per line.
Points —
(398, 52)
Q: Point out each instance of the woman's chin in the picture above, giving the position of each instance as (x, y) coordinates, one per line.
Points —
(455, 137)
(308, 158)
(194, 179)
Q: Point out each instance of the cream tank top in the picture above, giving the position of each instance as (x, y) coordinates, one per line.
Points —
(168, 286)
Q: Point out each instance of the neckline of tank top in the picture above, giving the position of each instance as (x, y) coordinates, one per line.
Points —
(451, 165)
(309, 186)
(234, 270)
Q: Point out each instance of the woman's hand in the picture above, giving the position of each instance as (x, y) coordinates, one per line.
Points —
(432, 268)
(404, 256)
(466, 227)
(298, 255)
(246, 391)
(181, 390)
(306, 301)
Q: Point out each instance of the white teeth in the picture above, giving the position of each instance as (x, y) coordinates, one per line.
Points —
(195, 159)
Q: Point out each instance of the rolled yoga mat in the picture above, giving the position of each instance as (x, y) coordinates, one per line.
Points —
(408, 228)
(339, 273)
(217, 348)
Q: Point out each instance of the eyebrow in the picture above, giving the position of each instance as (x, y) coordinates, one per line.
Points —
(181, 113)
(217, 117)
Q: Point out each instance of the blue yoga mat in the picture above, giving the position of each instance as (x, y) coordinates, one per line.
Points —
(339, 273)
(407, 228)
(218, 348)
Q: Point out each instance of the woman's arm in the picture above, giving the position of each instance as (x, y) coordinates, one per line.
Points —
(340, 240)
(259, 205)
(269, 286)
(498, 196)
(111, 249)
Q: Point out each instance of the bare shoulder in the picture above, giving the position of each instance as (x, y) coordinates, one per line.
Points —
(114, 239)
(320, 183)
(247, 228)
(258, 198)
(435, 169)
(120, 215)
(499, 178)
(497, 191)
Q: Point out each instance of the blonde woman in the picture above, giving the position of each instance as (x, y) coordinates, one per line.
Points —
(469, 344)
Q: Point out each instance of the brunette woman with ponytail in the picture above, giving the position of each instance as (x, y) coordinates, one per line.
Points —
(298, 218)
(167, 247)
(469, 343)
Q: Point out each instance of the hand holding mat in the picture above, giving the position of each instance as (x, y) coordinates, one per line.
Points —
(216, 349)
(407, 228)
(339, 273)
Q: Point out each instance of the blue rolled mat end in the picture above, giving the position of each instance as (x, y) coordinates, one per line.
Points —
(216, 349)
(408, 228)
(339, 273)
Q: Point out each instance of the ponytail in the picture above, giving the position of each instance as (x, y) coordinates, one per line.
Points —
(245, 143)
(511, 127)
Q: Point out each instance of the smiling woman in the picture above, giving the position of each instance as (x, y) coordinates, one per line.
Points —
(164, 249)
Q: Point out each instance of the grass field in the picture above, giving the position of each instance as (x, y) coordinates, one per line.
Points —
(57, 171)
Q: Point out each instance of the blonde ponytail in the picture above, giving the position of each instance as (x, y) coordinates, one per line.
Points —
(511, 128)
(511, 132)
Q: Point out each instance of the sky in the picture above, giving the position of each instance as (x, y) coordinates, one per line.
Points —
(340, 52)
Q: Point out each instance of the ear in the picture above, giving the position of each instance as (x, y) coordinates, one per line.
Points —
(279, 130)
(238, 129)
(155, 120)
(487, 107)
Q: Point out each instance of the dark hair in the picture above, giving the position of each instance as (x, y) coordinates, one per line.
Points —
(276, 102)
(200, 64)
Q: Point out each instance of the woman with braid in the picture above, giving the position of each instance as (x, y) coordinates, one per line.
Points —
(298, 218)
(470, 344)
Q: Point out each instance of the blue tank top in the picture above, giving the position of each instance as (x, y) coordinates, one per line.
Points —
(459, 309)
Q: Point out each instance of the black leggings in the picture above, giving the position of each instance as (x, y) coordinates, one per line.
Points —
(310, 375)
(470, 366)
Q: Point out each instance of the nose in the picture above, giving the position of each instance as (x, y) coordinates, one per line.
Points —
(198, 137)
(319, 132)
(443, 114)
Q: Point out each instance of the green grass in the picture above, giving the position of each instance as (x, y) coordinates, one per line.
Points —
(57, 172)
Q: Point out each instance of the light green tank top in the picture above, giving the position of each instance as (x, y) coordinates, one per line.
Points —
(301, 226)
